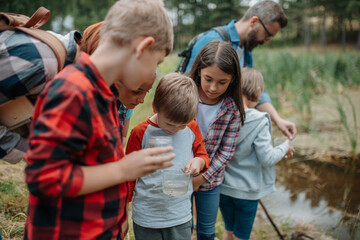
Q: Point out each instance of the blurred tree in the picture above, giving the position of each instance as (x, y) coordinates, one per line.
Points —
(83, 12)
(194, 16)
(340, 13)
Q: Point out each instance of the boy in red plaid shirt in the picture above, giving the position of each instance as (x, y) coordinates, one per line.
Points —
(77, 171)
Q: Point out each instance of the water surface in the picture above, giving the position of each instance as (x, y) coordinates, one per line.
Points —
(324, 195)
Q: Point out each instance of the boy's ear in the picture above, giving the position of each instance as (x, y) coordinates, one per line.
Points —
(154, 108)
(143, 45)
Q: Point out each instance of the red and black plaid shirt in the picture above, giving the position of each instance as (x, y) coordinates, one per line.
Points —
(75, 124)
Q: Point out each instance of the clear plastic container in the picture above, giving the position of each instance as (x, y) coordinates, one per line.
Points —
(160, 141)
(175, 182)
(280, 140)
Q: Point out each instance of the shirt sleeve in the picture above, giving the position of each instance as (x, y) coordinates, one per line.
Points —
(199, 149)
(129, 113)
(226, 149)
(265, 152)
(134, 144)
(264, 98)
(8, 140)
(60, 134)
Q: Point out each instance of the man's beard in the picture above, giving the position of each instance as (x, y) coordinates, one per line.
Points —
(251, 41)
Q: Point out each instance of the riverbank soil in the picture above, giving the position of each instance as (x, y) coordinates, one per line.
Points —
(321, 171)
(323, 137)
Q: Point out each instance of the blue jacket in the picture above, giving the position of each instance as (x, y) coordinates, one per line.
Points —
(235, 41)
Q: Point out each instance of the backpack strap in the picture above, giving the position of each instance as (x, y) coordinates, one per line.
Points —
(12, 21)
(186, 54)
(55, 44)
(223, 33)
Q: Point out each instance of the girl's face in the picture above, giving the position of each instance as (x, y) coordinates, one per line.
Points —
(214, 83)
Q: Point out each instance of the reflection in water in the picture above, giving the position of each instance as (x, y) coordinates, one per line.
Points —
(320, 194)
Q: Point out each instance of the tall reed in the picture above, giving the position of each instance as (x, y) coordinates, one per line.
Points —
(351, 131)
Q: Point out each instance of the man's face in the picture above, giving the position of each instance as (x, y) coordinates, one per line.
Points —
(258, 35)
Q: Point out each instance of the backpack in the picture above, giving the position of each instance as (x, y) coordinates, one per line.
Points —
(186, 54)
(22, 74)
(13, 21)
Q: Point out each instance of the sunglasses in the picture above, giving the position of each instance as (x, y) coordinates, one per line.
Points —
(269, 36)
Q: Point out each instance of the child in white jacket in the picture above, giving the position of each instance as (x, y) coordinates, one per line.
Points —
(250, 174)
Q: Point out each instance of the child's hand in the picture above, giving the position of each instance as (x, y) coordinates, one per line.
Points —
(140, 163)
(194, 166)
(291, 150)
(197, 182)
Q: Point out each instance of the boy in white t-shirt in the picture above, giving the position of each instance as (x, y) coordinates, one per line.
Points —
(155, 214)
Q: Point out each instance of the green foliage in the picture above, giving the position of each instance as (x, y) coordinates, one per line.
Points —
(195, 16)
(351, 130)
(13, 204)
(305, 75)
(84, 12)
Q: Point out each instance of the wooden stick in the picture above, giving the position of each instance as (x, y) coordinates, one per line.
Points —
(272, 222)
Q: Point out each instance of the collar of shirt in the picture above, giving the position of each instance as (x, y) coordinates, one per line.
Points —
(95, 77)
(234, 36)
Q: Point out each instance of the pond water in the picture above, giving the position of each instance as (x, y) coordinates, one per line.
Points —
(325, 196)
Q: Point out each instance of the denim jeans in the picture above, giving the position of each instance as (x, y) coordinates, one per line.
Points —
(207, 204)
(238, 215)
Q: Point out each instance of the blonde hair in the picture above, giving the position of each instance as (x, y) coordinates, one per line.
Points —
(129, 19)
(252, 83)
(177, 98)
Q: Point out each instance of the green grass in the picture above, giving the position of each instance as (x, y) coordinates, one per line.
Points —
(291, 75)
(300, 75)
(351, 129)
(13, 200)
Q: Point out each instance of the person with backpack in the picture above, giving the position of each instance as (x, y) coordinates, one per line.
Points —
(258, 26)
(27, 62)
(76, 169)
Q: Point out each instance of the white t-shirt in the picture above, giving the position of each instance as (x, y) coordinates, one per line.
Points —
(206, 115)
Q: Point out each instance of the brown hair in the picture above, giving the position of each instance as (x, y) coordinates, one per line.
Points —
(91, 37)
(129, 19)
(268, 12)
(177, 97)
(252, 84)
(222, 55)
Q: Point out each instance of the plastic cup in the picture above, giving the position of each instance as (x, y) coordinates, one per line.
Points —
(175, 182)
(280, 140)
(160, 141)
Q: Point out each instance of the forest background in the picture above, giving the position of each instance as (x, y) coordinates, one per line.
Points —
(312, 73)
